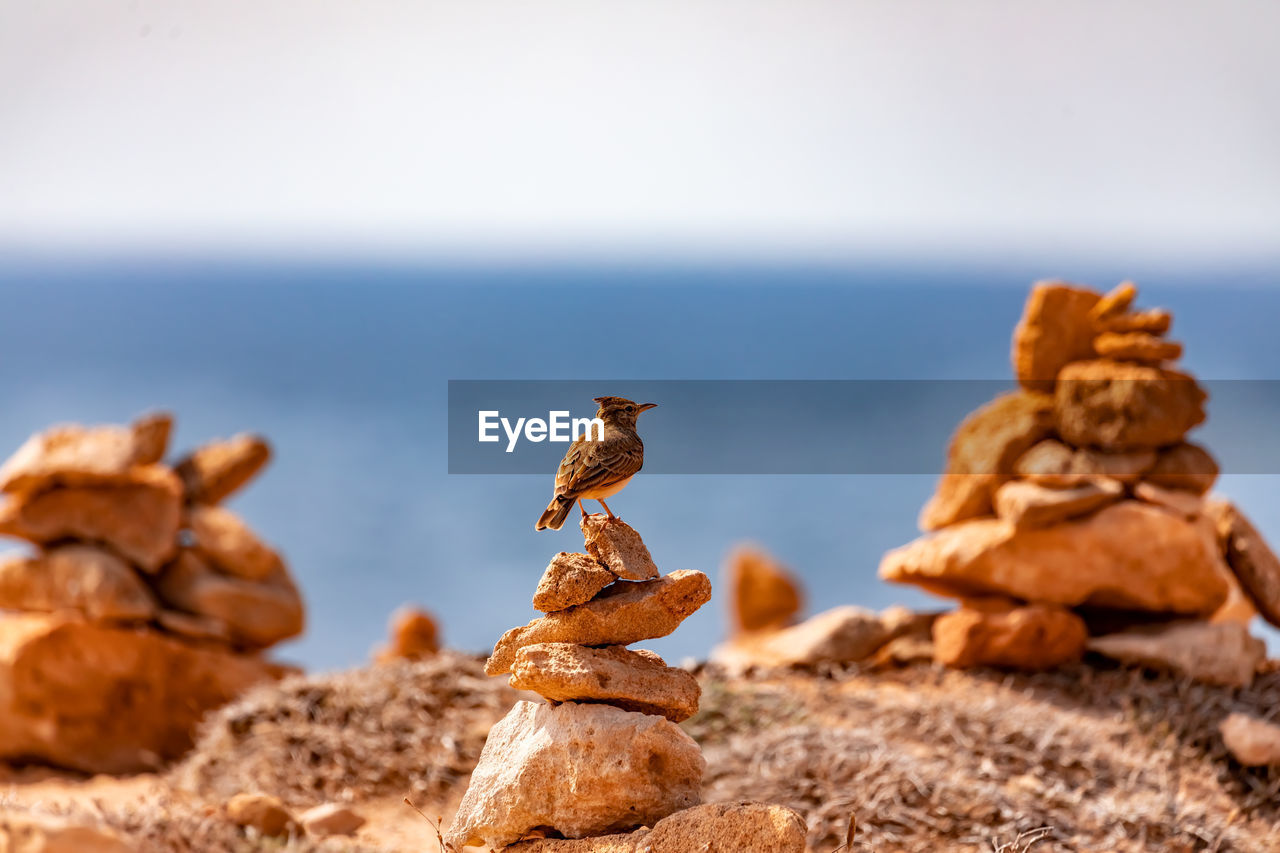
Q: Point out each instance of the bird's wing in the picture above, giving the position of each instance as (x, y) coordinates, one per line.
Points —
(590, 465)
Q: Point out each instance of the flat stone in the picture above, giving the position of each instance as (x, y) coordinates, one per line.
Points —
(83, 578)
(1025, 504)
(137, 515)
(213, 472)
(843, 634)
(261, 812)
(331, 819)
(1055, 465)
(1183, 503)
(31, 833)
(631, 680)
(624, 613)
(1001, 633)
(74, 455)
(1115, 303)
(570, 579)
(1123, 406)
(618, 547)
(1153, 322)
(194, 627)
(1055, 329)
(1141, 347)
(222, 538)
(982, 455)
(1184, 466)
(414, 635)
(257, 613)
(1221, 653)
(1251, 559)
(109, 700)
(1252, 741)
(627, 842)
(763, 594)
(730, 828)
(1129, 555)
(576, 770)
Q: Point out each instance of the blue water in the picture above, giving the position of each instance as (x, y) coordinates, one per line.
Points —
(344, 367)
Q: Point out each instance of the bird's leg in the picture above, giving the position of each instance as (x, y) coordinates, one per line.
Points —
(583, 508)
(612, 517)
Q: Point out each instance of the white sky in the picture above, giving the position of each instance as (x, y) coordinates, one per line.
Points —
(674, 126)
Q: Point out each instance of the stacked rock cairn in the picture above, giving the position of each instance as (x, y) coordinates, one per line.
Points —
(143, 603)
(602, 765)
(1073, 515)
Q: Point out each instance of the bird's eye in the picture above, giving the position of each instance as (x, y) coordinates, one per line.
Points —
(631, 408)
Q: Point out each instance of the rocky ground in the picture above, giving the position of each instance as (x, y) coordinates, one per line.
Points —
(1091, 757)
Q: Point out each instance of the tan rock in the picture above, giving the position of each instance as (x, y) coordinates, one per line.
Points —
(109, 700)
(1253, 742)
(414, 636)
(617, 546)
(257, 613)
(1055, 329)
(1025, 504)
(1141, 347)
(1122, 406)
(261, 812)
(1153, 322)
(137, 515)
(83, 578)
(1115, 303)
(222, 538)
(1127, 556)
(38, 833)
(1000, 633)
(1055, 465)
(627, 842)
(1216, 653)
(579, 770)
(1184, 466)
(331, 819)
(216, 470)
(982, 455)
(73, 455)
(763, 595)
(1186, 504)
(631, 680)
(903, 651)
(570, 579)
(1252, 561)
(843, 634)
(624, 613)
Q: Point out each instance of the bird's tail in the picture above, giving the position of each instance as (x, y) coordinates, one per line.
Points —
(555, 514)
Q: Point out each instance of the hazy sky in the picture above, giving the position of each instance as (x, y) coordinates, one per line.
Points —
(738, 127)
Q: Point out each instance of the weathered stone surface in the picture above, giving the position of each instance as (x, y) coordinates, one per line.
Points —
(1055, 329)
(1000, 633)
(730, 828)
(626, 842)
(1025, 504)
(1215, 653)
(261, 812)
(1123, 406)
(1183, 503)
(1253, 742)
(624, 613)
(1128, 556)
(1115, 303)
(1136, 346)
(82, 578)
(222, 538)
(331, 819)
(257, 613)
(580, 770)
(73, 455)
(1184, 466)
(30, 833)
(1153, 322)
(618, 547)
(1055, 465)
(841, 635)
(631, 680)
(137, 515)
(982, 455)
(763, 595)
(1252, 561)
(414, 635)
(570, 579)
(218, 469)
(109, 700)
(194, 627)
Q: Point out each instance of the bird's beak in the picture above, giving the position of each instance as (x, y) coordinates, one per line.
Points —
(644, 407)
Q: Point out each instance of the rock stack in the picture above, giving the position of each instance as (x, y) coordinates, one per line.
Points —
(603, 756)
(144, 602)
(1074, 506)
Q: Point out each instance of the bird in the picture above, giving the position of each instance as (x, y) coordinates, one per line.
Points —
(600, 468)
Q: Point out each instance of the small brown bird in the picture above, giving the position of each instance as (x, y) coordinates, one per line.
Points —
(598, 469)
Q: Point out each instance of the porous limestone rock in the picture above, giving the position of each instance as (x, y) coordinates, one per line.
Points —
(1025, 504)
(730, 828)
(1184, 466)
(261, 812)
(73, 455)
(618, 547)
(632, 680)
(222, 538)
(39, 833)
(83, 578)
(1154, 322)
(1252, 561)
(843, 634)
(1216, 653)
(570, 579)
(1186, 504)
(109, 700)
(1253, 742)
(137, 514)
(763, 595)
(1136, 346)
(1124, 406)
(331, 819)
(623, 613)
(213, 472)
(414, 635)
(982, 454)
(1001, 633)
(1127, 556)
(1052, 463)
(1056, 328)
(626, 842)
(578, 770)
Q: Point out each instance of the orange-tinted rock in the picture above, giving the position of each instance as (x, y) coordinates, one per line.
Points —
(1055, 329)
(1122, 406)
(617, 546)
(1115, 303)
(1215, 653)
(414, 636)
(632, 680)
(763, 595)
(82, 578)
(1253, 742)
(225, 541)
(1184, 466)
(73, 455)
(1252, 561)
(570, 579)
(1153, 322)
(1000, 633)
(1052, 463)
(1025, 504)
(193, 627)
(261, 812)
(842, 634)
(22, 832)
(219, 468)
(730, 828)
(1136, 346)
(1184, 503)
(982, 455)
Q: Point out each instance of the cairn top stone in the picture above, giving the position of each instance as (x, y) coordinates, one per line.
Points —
(618, 547)
(570, 579)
